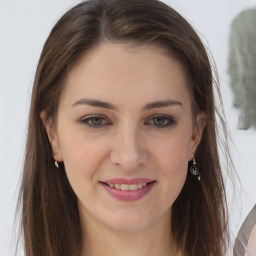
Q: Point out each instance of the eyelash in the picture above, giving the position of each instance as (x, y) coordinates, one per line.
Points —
(87, 121)
(167, 120)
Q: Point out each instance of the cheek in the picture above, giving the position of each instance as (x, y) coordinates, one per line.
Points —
(172, 163)
(82, 155)
(82, 160)
(174, 170)
(173, 156)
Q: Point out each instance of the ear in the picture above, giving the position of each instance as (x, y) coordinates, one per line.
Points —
(52, 136)
(197, 132)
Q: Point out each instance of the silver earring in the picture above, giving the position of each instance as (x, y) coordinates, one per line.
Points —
(193, 168)
(54, 156)
(56, 164)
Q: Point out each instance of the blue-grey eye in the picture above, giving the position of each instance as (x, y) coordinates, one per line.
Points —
(159, 120)
(94, 121)
(162, 121)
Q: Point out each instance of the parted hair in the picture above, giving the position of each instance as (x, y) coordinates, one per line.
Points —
(49, 213)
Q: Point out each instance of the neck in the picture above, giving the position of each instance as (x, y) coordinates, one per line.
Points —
(155, 240)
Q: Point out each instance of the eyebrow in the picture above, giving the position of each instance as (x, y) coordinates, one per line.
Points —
(161, 104)
(103, 104)
(94, 103)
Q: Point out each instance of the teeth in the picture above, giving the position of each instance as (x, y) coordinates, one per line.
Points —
(117, 186)
(126, 187)
(133, 187)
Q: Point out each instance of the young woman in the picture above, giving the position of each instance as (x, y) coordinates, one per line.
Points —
(121, 155)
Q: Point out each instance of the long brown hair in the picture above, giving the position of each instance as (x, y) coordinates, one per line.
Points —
(50, 218)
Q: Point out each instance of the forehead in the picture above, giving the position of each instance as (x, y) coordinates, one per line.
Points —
(120, 72)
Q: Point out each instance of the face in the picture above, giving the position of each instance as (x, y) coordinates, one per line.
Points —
(125, 132)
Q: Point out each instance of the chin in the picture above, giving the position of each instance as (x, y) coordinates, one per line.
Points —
(134, 221)
(129, 226)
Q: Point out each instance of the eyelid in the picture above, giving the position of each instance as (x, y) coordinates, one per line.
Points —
(171, 121)
(87, 118)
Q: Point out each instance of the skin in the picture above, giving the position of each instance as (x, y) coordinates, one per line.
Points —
(251, 246)
(127, 144)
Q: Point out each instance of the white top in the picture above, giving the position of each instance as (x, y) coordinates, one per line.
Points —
(245, 244)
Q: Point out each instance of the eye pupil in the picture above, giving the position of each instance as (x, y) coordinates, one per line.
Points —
(96, 120)
(159, 121)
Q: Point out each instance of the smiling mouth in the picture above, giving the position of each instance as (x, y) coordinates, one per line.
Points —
(128, 187)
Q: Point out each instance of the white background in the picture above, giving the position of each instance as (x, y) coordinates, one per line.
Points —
(24, 26)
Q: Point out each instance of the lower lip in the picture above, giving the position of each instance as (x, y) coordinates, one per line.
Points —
(129, 195)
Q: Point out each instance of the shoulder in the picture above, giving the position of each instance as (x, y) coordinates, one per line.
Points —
(246, 234)
(251, 246)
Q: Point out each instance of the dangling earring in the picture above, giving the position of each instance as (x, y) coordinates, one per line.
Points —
(54, 156)
(193, 168)
(56, 164)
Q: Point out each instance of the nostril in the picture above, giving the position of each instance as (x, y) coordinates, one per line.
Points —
(128, 152)
(128, 161)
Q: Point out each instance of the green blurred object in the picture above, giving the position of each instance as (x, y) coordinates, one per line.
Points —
(242, 66)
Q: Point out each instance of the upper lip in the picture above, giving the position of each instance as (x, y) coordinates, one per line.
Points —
(127, 181)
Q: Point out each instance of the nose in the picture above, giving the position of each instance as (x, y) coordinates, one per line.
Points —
(128, 150)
